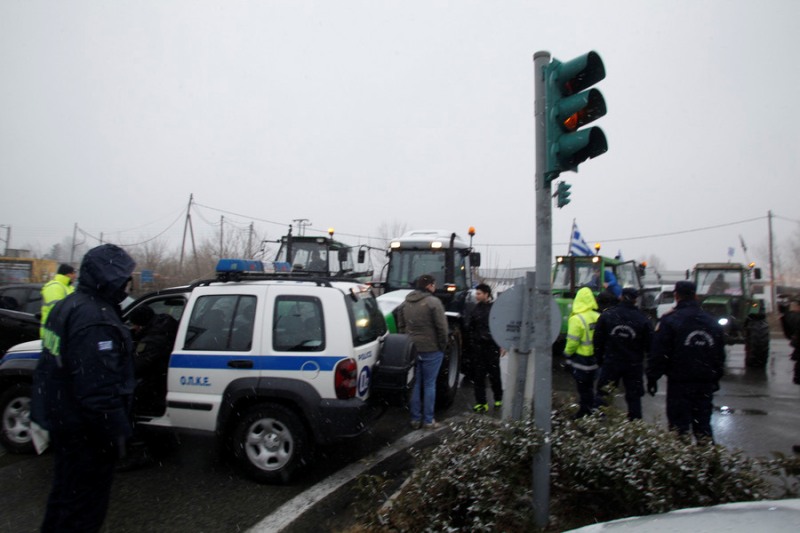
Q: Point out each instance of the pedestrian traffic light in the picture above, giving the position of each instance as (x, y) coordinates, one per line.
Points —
(562, 194)
(567, 109)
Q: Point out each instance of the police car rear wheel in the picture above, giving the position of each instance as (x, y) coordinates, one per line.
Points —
(269, 443)
(15, 408)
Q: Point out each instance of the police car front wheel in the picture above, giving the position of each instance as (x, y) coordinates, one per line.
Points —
(269, 443)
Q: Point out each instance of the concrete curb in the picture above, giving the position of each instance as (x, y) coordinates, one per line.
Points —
(310, 509)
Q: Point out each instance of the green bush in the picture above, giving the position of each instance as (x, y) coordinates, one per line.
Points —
(603, 467)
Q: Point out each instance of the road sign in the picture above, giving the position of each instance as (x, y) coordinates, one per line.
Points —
(505, 319)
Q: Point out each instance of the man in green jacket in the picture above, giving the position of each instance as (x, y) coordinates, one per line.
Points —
(57, 289)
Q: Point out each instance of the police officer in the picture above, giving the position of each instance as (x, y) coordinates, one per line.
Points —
(82, 391)
(688, 348)
(579, 349)
(622, 337)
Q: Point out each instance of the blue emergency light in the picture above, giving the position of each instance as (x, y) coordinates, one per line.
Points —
(230, 266)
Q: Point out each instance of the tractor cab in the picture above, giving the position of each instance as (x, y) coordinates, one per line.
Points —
(572, 272)
(323, 256)
(725, 291)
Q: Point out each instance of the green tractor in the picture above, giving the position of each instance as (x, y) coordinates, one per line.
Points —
(725, 291)
(571, 272)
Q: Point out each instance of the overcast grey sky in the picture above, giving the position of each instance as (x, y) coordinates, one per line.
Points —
(354, 114)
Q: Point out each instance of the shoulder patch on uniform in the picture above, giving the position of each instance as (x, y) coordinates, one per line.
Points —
(105, 346)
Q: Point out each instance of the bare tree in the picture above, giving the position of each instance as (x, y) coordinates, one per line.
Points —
(378, 246)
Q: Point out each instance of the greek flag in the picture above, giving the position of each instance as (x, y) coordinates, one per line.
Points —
(578, 246)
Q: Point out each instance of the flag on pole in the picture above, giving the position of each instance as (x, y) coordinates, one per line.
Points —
(578, 246)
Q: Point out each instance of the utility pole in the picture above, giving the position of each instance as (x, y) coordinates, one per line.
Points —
(250, 242)
(74, 244)
(772, 289)
(188, 225)
(8, 238)
(301, 225)
(221, 226)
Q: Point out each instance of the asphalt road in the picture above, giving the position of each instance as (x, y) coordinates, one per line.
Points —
(192, 489)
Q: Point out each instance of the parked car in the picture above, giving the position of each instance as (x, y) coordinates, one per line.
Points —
(20, 308)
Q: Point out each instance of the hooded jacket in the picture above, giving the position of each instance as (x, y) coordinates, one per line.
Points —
(580, 328)
(84, 379)
(422, 317)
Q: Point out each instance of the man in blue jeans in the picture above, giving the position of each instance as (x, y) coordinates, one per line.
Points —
(422, 317)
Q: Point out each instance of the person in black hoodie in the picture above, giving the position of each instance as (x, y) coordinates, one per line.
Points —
(688, 347)
(622, 337)
(83, 390)
(485, 352)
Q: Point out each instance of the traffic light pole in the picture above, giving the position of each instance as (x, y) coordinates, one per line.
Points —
(543, 366)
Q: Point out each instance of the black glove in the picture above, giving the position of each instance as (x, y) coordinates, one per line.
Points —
(652, 386)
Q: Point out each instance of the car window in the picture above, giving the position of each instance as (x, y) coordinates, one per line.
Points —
(221, 323)
(298, 324)
(366, 317)
(14, 298)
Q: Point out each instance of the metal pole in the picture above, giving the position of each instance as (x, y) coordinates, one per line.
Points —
(74, 238)
(772, 291)
(185, 227)
(542, 399)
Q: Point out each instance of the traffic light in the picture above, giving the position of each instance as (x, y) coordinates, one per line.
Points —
(562, 194)
(567, 109)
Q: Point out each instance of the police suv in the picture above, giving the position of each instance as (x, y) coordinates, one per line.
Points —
(270, 363)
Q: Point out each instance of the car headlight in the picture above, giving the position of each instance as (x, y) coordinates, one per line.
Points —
(723, 321)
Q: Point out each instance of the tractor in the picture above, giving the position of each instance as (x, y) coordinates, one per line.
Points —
(572, 272)
(725, 291)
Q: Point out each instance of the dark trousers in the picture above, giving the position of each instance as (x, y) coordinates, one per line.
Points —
(611, 373)
(584, 381)
(689, 406)
(486, 361)
(83, 472)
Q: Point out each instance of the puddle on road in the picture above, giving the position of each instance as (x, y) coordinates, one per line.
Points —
(725, 410)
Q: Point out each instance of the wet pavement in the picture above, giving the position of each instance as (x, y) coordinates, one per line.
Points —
(192, 489)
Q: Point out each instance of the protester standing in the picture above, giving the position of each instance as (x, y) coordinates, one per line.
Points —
(55, 290)
(688, 347)
(83, 390)
(422, 317)
(579, 349)
(790, 320)
(485, 352)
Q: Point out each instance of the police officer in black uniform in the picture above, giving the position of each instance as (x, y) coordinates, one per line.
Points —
(83, 390)
(622, 337)
(688, 348)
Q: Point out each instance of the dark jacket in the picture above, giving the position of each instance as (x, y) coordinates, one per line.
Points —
(478, 329)
(422, 317)
(622, 334)
(84, 379)
(687, 346)
(151, 363)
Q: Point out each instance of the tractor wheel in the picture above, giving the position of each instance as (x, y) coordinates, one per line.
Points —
(756, 346)
(447, 381)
